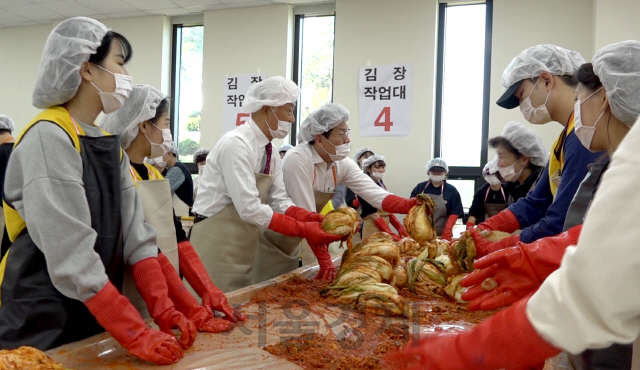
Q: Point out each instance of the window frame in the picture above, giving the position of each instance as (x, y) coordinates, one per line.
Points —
(460, 172)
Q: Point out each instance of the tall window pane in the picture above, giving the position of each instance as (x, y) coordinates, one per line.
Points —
(462, 88)
(188, 90)
(315, 76)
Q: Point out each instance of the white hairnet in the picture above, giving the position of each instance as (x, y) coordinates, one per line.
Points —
(527, 142)
(139, 107)
(531, 62)
(491, 168)
(285, 147)
(201, 151)
(70, 44)
(322, 120)
(618, 67)
(437, 162)
(371, 160)
(6, 123)
(173, 148)
(360, 152)
(272, 92)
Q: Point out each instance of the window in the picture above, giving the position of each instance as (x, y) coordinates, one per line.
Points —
(313, 65)
(186, 97)
(462, 92)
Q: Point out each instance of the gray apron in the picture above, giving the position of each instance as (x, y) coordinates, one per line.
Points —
(321, 199)
(581, 201)
(227, 245)
(492, 209)
(440, 212)
(155, 196)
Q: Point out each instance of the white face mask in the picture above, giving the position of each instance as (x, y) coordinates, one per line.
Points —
(509, 173)
(539, 115)
(342, 151)
(437, 179)
(112, 101)
(493, 180)
(200, 169)
(377, 175)
(283, 128)
(159, 150)
(159, 162)
(584, 133)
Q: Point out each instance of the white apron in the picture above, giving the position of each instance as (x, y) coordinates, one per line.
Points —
(370, 226)
(155, 196)
(181, 208)
(227, 245)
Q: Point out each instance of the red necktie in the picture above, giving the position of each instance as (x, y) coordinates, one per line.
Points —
(267, 167)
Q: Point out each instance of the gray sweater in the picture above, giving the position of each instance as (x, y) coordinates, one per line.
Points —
(44, 184)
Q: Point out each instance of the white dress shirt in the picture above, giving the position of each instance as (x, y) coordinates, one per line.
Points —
(305, 172)
(593, 299)
(229, 177)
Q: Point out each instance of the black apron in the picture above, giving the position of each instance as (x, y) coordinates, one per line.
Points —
(33, 311)
(617, 356)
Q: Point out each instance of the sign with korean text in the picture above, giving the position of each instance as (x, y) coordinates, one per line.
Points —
(385, 100)
(235, 88)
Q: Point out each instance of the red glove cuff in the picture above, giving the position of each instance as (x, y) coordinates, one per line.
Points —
(395, 204)
(152, 285)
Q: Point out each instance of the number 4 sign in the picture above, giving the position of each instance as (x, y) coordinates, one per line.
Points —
(385, 100)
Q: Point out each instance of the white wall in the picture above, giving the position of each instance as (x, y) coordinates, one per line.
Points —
(384, 32)
(615, 21)
(240, 41)
(519, 24)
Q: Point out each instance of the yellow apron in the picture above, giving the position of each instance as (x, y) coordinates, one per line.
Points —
(556, 160)
(155, 196)
(227, 245)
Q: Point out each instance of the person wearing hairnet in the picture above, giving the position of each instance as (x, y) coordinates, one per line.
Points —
(283, 150)
(351, 199)
(76, 221)
(141, 125)
(315, 168)
(6, 144)
(200, 160)
(181, 183)
(490, 199)
(573, 308)
(241, 191)
(540, 80)
(521, 158)
(374, 219)
(448, 202)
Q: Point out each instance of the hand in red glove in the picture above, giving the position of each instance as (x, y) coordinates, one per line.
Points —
(327, 269)
(470, 225)
(504, 221)
(398, 225)
(447, 234)
(484, 246)
(505, 341)
(117, 316)
(201, 316)
(301, 214)
(382, 226)
(395, 204)
(152, 286)
(312, 231)
(196, 274)
(356, 203)
(517, 271)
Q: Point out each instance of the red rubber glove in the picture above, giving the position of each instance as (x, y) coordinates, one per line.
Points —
(327, 269)
(395, 204)
(201, 316)
(517, 271)
(116, 315)
(470, 225)
(301, 214)
(382, 226)
(398, 225)
(485, 247)
(194, 271)
(152, 286)
(356, 203)
(504, 221)
(312, 231)
(447, 234)
(505, 341)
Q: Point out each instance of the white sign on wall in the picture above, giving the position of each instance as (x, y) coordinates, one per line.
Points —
(235, 88)
(385, 100)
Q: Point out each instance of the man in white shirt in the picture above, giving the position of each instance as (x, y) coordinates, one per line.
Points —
(241, 190)
(319, 164)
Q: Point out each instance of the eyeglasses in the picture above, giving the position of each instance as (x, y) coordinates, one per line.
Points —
(345, 135)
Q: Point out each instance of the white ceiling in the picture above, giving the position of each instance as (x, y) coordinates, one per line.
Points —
(18, 13)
